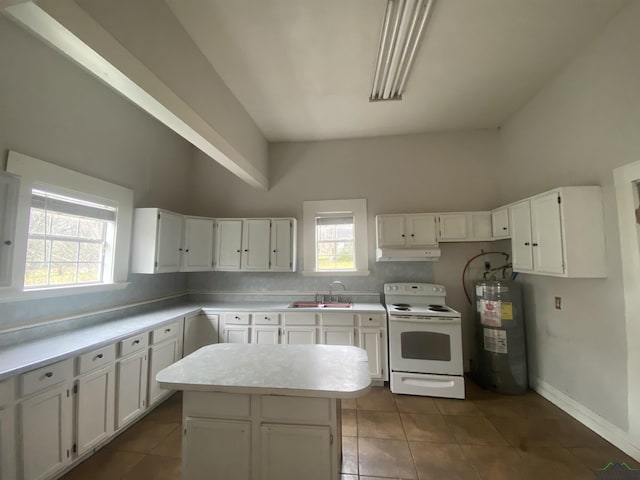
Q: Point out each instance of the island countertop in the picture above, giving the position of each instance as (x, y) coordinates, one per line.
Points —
(326, 371)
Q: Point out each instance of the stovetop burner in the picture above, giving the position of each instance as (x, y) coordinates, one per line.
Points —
(401, 305)
(402, 309)
(438, 308)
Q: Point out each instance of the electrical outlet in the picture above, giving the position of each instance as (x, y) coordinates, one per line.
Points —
(558, 303)
(487, 265)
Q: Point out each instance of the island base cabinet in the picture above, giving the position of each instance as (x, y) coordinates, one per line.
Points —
(216, 449)
(131, 388)
(291, 452)
(45, 433)
(95, 406)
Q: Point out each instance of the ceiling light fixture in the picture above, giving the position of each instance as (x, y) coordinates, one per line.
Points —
(402, 30)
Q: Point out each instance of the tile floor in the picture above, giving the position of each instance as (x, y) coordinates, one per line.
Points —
(487, 436)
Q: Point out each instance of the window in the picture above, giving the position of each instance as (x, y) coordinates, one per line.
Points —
(72, 230)
(70, 241)
(335, 237)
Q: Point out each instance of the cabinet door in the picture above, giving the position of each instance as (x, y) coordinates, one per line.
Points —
(391, 230)
(421, 230)
(338, 336)
(500, 223)
(169, 242)
(453, 227)
(520, 214)
(234, 334)
(228, 243)
(95, 402)
(282, 245)
(370, 340)
(300, 335)
(269, 335)
(9, 186)
(546, 237)
(160, 356)
(131, 388)
(199, 331)
(45, 426)
(293, 452)
(7, 443)
(256, 235)
(198, 244)
(216, 449)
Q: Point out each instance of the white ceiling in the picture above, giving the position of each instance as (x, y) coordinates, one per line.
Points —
(303, 68)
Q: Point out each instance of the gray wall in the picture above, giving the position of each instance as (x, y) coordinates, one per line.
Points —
(53, 110)
(580, 127)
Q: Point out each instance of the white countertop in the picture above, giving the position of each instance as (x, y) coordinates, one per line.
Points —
(328, 371)
(358, 307)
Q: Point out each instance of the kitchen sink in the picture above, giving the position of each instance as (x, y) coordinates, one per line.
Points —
(320, 305)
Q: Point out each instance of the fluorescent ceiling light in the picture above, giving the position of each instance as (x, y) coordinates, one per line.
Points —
(402, 30)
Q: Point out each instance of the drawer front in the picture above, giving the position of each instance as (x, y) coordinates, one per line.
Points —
(300, 318)
(97, 358)
(133, 344)
(167, 331)
(338, 319)
(266, 319)
(298, 409)
(372, 320)
(46, 377)
(216, 404)
(7, 390)
(236, 318)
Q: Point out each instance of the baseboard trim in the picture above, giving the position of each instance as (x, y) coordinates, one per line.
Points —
(610, 432)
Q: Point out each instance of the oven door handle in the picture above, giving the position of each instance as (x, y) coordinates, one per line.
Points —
(423, 320)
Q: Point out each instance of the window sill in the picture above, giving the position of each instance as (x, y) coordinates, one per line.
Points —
(337, 273)
(14, 295)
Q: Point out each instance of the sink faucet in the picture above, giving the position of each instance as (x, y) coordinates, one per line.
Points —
(331, 285)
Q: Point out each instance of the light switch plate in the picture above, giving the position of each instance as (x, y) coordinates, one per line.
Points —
(558, 303)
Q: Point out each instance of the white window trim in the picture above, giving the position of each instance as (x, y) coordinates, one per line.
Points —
(310, 210)
(37, 172)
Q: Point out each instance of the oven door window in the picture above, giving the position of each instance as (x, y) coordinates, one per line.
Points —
(426, 346)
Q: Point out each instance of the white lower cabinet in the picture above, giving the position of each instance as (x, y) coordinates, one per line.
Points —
(338, 336)
(290, 452)
(214, 449)
(371, 340)
(300, 335)
(7, 443)
(160, 357)
(199, 330)
(234, 334)
(95, 402)
(131, 387)
(45, 433)
(264, 334)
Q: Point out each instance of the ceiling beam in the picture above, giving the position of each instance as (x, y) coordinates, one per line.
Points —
(68, 28)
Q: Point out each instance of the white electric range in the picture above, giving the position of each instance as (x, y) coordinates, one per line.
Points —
(425, 341)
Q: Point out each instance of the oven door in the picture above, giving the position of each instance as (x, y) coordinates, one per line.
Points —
(425, 344)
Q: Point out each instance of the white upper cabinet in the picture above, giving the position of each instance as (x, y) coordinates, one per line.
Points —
(401, 231)
(9, 186)
(256, 238)
(500, 223)
(465, 227)
(255, 244)
(157, 241)
(197, 244)
(560, 233)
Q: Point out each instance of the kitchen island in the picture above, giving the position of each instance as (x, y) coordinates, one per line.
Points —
(265, 412)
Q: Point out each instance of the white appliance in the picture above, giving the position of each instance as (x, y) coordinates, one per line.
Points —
(425, 341)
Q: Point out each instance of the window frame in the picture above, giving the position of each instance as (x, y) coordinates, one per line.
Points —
(35, 173)
(314, 208)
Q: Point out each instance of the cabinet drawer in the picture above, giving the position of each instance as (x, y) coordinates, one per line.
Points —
(133, 344)
(96, 358)
(308, 410)
(7, 390)
(216, 404)
(300, 318)
(167, 331)
(236, 318)
(46, 377)
(266, 319)
(338, 319)
(372, 320)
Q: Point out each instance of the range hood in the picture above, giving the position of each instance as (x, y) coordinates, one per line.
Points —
(407, 254)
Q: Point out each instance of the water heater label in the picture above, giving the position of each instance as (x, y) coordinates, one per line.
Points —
(495, 340)
(490, 313)
(506, 311)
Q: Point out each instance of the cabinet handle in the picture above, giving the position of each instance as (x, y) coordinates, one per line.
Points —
(167, 330)
(99, 355)
(274, 251)
(535, 244)
(8, 242)
(48, 374)
(238, 251)
(246, 249)
(504, 228)
(412, 235)
(526, 243)
(179, 249)
(403, 235)
(187, 250)
(135, 342)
